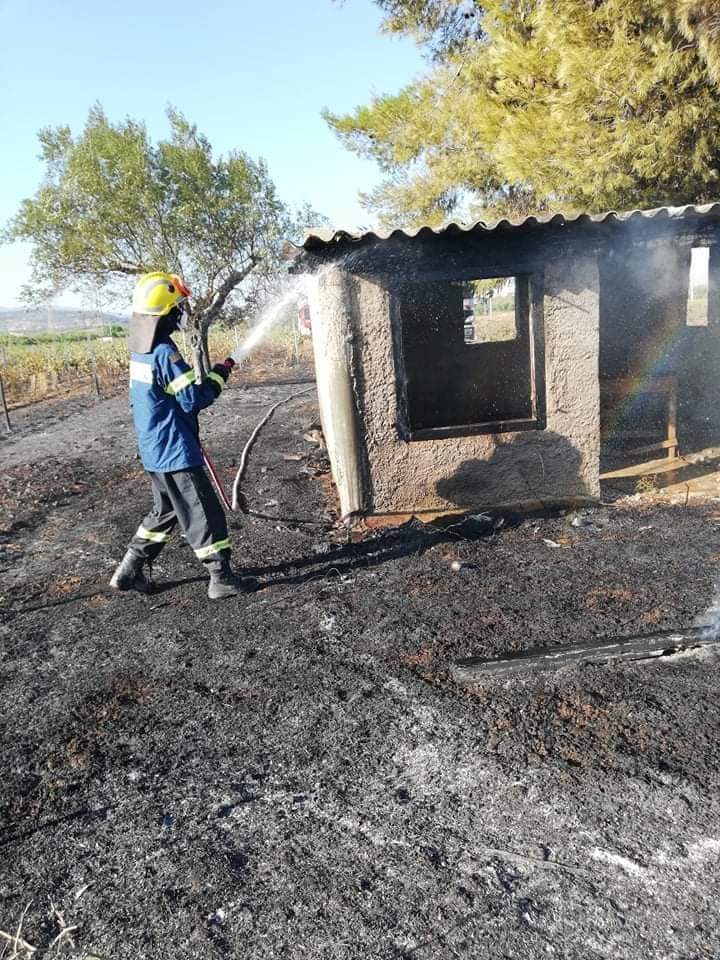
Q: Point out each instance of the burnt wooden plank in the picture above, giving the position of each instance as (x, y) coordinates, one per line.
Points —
(474, 669)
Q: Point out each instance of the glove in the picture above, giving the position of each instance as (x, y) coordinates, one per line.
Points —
(223, 369)
(218, 376)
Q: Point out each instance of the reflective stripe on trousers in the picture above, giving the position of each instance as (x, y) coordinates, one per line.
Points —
(187, 498)
(204, 552)
(155, 536)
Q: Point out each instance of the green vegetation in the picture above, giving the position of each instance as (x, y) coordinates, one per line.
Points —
(35, 365)
(39, 365)
(530, 104)
(112, 205)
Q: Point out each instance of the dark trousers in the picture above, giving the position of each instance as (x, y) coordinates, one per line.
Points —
(188, 498)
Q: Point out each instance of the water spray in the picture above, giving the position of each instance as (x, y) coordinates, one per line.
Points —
(268, 318)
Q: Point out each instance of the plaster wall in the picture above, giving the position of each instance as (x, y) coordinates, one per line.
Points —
(558, 464)
(330, 307)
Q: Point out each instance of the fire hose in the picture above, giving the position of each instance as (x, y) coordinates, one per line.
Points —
(236, 502)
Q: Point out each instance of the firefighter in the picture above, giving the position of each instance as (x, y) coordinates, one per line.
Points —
(166, 399)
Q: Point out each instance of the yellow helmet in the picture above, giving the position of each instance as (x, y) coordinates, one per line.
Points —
(157, 293)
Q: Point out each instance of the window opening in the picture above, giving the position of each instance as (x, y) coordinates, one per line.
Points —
(472, 356)
(697, 302)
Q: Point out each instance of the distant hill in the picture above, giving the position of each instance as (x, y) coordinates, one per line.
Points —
(43, 320)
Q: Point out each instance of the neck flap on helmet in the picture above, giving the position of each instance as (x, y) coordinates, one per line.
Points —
(144, 330)
(141, 332)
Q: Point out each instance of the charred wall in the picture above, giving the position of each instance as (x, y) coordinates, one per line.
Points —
(609, 297)
(555, 464)
(644, 333)
(643, 295)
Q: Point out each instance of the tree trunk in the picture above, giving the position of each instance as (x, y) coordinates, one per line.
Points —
(198, 333)
(199, 323)
(205, 347)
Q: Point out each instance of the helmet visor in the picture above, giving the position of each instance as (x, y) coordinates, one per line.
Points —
(180, 286)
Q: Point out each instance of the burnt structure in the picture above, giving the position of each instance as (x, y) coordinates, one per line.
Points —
(478, 366)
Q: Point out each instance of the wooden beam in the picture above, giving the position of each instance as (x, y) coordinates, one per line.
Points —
(651, 447)
(650, 646)
(672, 418)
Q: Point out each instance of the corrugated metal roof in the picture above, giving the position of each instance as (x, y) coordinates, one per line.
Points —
(319, 238)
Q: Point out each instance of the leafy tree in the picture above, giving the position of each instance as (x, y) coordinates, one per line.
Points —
(112, 204)
(529, 104)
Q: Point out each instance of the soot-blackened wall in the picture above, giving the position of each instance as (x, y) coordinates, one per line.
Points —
(644, 334)
(608, 295)
(524, 467)
(643, 297)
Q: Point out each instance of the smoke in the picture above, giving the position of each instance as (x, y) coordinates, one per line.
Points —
(709, 620)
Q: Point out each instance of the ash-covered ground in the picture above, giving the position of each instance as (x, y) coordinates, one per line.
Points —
(293, 774)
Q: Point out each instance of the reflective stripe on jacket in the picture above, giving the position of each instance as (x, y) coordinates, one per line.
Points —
(165, 400)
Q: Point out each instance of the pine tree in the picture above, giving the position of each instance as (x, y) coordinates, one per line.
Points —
(531, 104)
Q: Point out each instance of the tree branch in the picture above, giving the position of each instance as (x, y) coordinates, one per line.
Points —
(166, 240)
(131, 269)
(224, 290)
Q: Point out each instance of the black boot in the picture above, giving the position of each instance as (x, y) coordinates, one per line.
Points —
(129, 575)
(224, 582)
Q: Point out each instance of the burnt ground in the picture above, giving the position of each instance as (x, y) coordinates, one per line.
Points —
(293, 774)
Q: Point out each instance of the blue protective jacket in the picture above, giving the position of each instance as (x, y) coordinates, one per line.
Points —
(165, 400)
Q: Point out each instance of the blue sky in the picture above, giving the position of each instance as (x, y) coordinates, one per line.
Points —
(253, 74)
